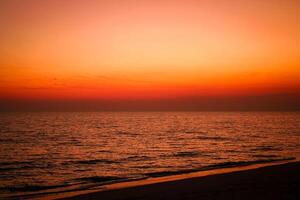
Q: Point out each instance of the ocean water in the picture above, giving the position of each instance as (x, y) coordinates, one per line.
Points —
(43, 153)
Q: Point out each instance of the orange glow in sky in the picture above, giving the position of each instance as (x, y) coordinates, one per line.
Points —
(140, 49)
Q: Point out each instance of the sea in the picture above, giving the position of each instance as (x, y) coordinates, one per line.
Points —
(44, 153)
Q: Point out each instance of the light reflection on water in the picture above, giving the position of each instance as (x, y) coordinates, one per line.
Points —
(52, 150)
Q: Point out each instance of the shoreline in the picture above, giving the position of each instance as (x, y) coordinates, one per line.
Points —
(112, 189)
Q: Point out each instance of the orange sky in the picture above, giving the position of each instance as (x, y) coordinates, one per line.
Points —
(140, 49)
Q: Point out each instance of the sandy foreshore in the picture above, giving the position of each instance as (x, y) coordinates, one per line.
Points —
(280, 181)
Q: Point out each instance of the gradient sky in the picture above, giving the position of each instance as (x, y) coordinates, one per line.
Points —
(120, 53)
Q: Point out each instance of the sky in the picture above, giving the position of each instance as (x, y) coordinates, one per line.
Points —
(149, 55)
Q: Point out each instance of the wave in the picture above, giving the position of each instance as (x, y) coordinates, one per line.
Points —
(94, 161)
(30, 188)
(215, 166)
(5, 169)
(187, 154)
(100, 179)
(127, 133)
(183, 154)
(14, 163)
(195, 132)
(211, 138)
(264, 156)
(266, 148)
(137, 158)
(103, 180)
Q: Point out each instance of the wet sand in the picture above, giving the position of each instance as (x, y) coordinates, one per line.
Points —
(269, 182)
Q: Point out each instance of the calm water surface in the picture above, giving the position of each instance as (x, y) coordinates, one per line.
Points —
(42, 153)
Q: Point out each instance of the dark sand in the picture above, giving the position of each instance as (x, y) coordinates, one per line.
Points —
(271, 182)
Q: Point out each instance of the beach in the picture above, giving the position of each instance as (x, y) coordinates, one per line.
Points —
(280, 181)
(150, 99)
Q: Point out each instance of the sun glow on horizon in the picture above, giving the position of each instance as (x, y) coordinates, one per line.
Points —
(148, 49)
